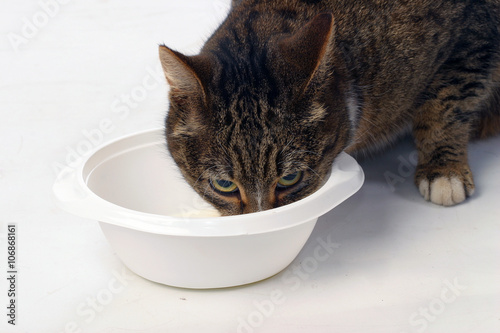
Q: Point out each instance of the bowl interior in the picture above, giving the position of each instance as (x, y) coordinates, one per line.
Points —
(141, 176)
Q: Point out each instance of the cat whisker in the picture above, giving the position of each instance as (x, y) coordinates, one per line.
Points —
(227, 157)
(206, 188)
(308, 152)
(289, 156)
(201, 175)
(367, 131)
(314, 172)
(300, 165)
(286, 146)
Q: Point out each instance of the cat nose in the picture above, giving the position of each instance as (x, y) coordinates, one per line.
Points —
(258, 203)
(255, 208)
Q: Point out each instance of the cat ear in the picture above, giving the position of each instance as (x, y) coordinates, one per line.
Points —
(305, 50)
(184, 74)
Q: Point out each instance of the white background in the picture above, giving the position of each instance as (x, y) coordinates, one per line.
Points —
(400, 264)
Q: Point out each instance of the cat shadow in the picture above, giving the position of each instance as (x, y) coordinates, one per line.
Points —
(392, 171)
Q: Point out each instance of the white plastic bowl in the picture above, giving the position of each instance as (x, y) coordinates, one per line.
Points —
(151, 216)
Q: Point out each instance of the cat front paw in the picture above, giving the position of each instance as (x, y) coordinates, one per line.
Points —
(445, 188)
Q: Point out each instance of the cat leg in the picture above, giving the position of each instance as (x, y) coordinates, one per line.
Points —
(463, 87)
(442, 129)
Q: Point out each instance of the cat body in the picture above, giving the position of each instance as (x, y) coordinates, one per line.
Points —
(282, 87)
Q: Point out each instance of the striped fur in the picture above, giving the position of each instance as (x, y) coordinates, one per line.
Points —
(285, 86)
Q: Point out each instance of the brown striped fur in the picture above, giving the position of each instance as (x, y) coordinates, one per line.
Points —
(285, 86)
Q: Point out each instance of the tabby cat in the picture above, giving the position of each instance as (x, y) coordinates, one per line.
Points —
(257, 118)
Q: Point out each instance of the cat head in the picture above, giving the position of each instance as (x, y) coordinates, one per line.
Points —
(255, 125)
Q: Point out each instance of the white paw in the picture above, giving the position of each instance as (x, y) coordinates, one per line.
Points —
(424, 188)
(444, 191)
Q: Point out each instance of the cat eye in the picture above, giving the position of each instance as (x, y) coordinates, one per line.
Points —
(289, 180)
(224, 186)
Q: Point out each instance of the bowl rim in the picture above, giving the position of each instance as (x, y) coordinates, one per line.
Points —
(71, 193)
